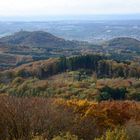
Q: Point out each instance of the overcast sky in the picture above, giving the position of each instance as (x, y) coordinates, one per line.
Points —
(67, 7)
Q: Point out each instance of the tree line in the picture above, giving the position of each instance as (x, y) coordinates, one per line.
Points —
(101, 65)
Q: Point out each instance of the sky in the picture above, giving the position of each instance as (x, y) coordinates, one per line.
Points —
(67, 7)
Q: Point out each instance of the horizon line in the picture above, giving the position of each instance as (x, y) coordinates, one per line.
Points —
(90, 17)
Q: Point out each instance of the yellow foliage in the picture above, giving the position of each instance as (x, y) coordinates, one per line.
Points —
(66, 136)
(117, 134)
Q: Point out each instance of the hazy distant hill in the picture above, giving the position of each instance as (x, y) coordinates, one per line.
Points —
(83, 30)
(37, 39)
(124, 43)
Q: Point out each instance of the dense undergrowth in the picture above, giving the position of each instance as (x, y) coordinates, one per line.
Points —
(31, 118)
(71, 85)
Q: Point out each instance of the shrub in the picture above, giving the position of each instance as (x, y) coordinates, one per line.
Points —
(135, 96)
(107, 93)
(116, 134)
(133, 130)
(28, 118)
(66, 136)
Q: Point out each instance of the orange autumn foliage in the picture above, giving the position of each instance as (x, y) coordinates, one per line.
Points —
(26, 118)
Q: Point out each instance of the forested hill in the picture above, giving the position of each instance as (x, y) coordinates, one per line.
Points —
(100, 65)
(124, 43)
(36, 39)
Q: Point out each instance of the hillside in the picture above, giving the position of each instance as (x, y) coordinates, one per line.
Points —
(100, 65)
(36, 39)
(91, 77)
(37, 45)
(78, 94)
(124, 43)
